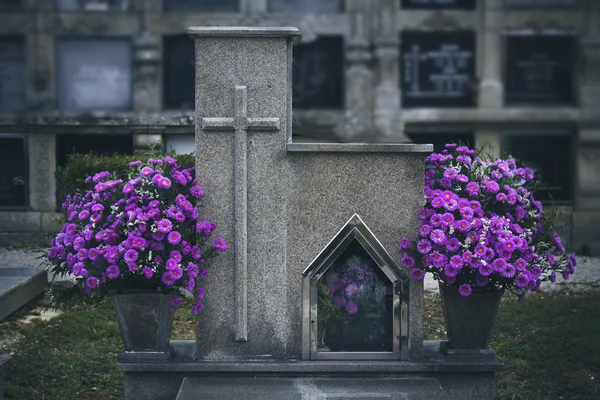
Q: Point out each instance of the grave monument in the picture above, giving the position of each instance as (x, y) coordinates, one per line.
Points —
(310, 303)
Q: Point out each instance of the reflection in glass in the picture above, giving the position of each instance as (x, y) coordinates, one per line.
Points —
(354, 311)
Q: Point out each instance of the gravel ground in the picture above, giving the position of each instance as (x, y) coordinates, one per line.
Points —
(586, 277)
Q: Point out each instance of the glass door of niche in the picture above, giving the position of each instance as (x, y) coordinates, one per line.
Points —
(356, 304)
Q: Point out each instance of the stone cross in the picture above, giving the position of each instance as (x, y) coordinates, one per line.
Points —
(241, 124)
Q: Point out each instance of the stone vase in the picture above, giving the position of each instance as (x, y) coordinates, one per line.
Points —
(145, 320)
(469, 320)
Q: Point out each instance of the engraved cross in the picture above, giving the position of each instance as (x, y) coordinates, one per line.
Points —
(241, 124)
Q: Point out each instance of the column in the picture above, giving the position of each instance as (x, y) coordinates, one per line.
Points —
(491, 93)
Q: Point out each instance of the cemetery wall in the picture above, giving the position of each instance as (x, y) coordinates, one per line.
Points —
(517, 74)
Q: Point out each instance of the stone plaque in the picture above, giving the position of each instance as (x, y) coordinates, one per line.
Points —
(437, 4)
(551, 157)
(11, 5)
(440, 139)
(179, 74)
(201, 5)
(541, 3)
(94, 74)
(13, 171)
(318, 74)
(98, 144)
(438, 69)
(12, 73)
(308, 6)
(540, 70)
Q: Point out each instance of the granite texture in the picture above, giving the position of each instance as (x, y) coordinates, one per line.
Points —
(252, 388)
(5, 362)
(360, 147)
(18, 286)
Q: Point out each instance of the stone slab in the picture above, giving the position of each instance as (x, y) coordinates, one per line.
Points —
(275, 388)
(51, 222)
(18, 286)
(17, 239)
(25, 221)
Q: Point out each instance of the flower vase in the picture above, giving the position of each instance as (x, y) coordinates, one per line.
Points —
(321, 332)
(469, 320)
(145, 320)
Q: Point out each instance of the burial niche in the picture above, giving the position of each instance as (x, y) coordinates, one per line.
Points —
(354, 306)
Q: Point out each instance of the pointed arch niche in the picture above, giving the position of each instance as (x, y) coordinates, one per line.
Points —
(354, 300)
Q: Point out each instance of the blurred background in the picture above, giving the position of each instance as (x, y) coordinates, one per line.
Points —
(113, 76)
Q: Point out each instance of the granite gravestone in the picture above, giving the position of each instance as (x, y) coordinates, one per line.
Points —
(307, 6)
(540, 70)
(13, 171)
(439, 4)
(201, 5)
(178, 67)
(12, 73)
(94, 74)
(318, 74)
(438, 69)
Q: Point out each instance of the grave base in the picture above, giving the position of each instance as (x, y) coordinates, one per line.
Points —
(459, 378)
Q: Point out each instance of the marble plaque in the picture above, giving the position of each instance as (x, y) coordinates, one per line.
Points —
(12, 73)
(439, 4)
(438, 69)
(307, 6)
(179, 75)
(201, 5)
(94, 74)
(540, 70)
(13, 171)
(318, 74)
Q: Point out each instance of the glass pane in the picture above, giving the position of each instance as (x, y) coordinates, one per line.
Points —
(318, 74)
(201, 5)
(551, 157)
(438, 69)
(12, 73)
(13, 172)
(440, 139)
(331, 6)
(94, 74)
(539, 70)
(11, 5)
(179, 73)
(437, 4)
(354, 311)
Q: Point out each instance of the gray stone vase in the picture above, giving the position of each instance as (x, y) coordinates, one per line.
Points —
(145, 321)
(469, 320)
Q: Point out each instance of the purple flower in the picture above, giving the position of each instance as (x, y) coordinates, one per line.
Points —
(176, 301)
(164, 182)
(83, 215)
(339, 301)
(203, 273)
(553, 277)
(197, 191)
(465, 290)
(351, 289)
(351, 308)
(437, 236)
(196, 308)
(404, 243)
(146, 171)
(164, 225)
(481, 281)
(425, 230)
(549, 257)
(408, 261)
(134, 164)
(200, 294)
(168, 279)
(456, 261)
(522, 280)
(171, 264)
(112, 272)
(520, 264)
(192, 270)
(205, 227)
(92, 282)
(492, 187)
(437, 202)
(220, 244)
(472, 188)
(452, 245)
(131, 255)
(417, 274)
(424, 246)
(147, 272)
(486, 269)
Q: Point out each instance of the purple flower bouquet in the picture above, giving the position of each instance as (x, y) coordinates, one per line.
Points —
(139, 232)
(482, 227)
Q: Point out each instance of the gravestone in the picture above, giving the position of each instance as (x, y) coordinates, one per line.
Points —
(13, 171)
(438, 69)
(303, 220)
(439, 4)
(201, 5)
(540, 70)
(94, 74)
(541, 3)
(551, 157)
(318, 74)
(12, 73)
(307, 6)
(178, 82)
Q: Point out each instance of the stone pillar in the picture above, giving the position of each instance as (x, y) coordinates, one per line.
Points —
(387, 53)
(243, 119)
(147, 94)
(491, 93)
(491, 139)
(41, 64)
(42, 165)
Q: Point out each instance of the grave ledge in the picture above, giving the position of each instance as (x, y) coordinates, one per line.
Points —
(237, 31)
(432, 361)
(359, 148)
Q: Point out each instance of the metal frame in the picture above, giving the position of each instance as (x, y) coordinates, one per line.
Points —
(25, 138)
(354, 229)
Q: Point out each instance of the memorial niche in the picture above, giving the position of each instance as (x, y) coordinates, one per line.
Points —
(12, 73)
(551, 158)
(438, 69)
(318, 74)
(439, 4)
(439, 140)
(179, 73)
(201, 5)
(539, 70)
(327, 6)
(13, 171)
(94, 74)
(355, 307)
